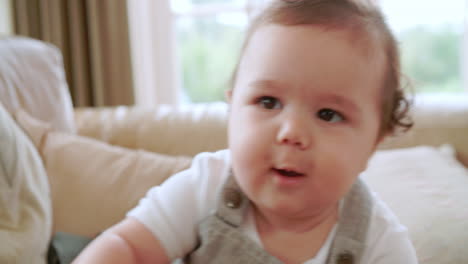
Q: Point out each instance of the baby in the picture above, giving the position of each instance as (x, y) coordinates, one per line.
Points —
(316, 89)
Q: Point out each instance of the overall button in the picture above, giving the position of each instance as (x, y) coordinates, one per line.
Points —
(232, 199)
(345, 258)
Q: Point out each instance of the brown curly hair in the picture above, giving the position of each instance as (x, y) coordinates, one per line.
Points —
(369, 31)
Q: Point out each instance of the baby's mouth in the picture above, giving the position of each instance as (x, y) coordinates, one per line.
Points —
(288, 173)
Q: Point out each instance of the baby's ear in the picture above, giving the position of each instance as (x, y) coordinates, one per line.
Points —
(228, 95)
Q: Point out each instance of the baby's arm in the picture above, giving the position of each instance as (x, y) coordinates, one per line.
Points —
(127, 242)
(169, 212)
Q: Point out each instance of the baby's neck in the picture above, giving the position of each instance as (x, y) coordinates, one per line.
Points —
(266, 220)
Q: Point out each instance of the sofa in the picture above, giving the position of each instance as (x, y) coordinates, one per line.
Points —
(78, 170)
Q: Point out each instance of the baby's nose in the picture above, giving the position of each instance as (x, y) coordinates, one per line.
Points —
(294, 132)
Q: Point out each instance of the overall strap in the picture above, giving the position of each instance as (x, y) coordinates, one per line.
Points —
(232, 203)
(350, 238)
(220, 239)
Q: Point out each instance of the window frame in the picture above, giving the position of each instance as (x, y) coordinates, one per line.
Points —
(156, 72)
(6, 18)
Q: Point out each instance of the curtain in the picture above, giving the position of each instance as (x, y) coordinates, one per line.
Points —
(93, 36)
(155, 62)
(464, 48)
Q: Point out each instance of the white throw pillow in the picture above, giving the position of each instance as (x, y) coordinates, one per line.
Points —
(427, 188)
(25, 205)
(32, 78)
(93, 183)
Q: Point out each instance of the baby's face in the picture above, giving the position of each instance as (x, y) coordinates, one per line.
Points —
(304, 118)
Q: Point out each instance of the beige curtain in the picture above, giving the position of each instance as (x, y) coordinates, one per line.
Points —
(94, 39)
(465, 50)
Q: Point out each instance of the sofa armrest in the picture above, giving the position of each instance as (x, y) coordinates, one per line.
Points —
(190, 129)
(438, 119)
(173, 130)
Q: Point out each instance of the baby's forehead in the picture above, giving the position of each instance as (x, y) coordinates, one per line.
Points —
(368, 42)
(365, 41)
(361, 20)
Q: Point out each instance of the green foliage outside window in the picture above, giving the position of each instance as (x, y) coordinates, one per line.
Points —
(209, 51)
(431, 59)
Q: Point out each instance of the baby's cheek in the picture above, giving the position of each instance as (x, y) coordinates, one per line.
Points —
(340, 169)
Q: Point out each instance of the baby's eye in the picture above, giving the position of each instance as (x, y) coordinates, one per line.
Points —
(330, 115)
(269, 102)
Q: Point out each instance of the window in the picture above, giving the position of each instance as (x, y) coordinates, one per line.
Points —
(6, 25)
(186, 49)
(431, 33)
(208, 42)
(209, 35)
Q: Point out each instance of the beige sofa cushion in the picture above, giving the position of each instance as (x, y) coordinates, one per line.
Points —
(426, 187)
(439, 119)
(25, 204)
(172, 130)
(93, 183)
(32, 78)
(187, 130)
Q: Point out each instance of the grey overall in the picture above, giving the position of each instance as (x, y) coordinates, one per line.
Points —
(221, 241)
